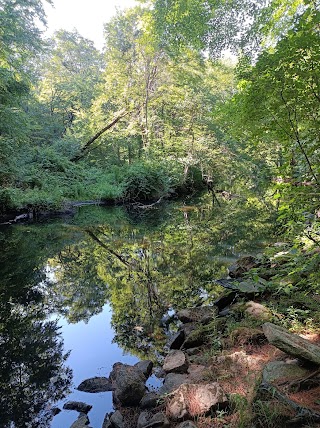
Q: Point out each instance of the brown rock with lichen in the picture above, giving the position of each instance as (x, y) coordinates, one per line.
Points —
(191, 400)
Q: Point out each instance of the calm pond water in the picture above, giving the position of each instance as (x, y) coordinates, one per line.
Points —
(80, 293)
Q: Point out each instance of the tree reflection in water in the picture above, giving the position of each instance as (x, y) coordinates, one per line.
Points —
(32, 361)
(32, 371)
(143, 264)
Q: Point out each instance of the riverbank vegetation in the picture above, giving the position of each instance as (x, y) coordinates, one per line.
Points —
(158, 112)
(162, 112)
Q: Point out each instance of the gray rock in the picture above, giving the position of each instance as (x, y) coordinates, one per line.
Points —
(291, 343)
(149, 401)
(193, 339)
(176, 340)
(106, 422)
(116, 420)
(258, 311)
(276, 370)
(226, 300)
(242, 287)
(81, 422)
(78, 406)
(187, 424)
(96, 384)
(243, 265)
(202, 314)
(248, 287)
(198, 359)
(159, 420)
(172, 381)
(225, 312)
(192, 400)
(159, 373)
(145, 366)
(193, 351)
(129, 384)
(198, 372)
(175, 362)
(142, 420)
(229, 284)
(55, 411)
(189, 328)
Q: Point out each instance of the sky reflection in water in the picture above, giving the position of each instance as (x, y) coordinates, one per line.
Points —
(142, 263)
(93, 354)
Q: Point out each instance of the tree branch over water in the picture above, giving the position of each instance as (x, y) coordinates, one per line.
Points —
(110, 125)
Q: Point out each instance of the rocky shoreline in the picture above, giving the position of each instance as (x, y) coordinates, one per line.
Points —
(257, 374)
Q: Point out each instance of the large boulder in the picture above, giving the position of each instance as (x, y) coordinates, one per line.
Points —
(280, 371)
(78, 406)
(246, 287)
(149, 401)
(175, 362)
(129, 382)
(191, 400)
(291, 343)
(197, 372)
(194, 336)
(96, 384)
(225, 300)
(193, 351)
(106, 422)
(145, 366)
(172, 381)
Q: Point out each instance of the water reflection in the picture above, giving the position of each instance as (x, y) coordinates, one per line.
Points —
(143, 263)
(33, 375)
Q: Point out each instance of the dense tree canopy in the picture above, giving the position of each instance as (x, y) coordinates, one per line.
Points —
(152, 114)
(160, 112)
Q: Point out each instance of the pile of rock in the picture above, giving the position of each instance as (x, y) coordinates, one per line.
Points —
(186, 393)
(184, 397)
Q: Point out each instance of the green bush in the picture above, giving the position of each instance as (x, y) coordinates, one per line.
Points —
(7, 199)
(149, 180)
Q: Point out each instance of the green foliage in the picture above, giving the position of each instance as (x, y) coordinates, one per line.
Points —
(147, 181)
(270, 414)
(239, 404)
(69, 74)
(154, 117)
(166, 142)
(211, 25)
(7, 199)
(19, 42)
(276, 113)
